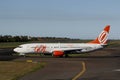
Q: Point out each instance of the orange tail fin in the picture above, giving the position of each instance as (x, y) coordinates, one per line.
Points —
(103, 37)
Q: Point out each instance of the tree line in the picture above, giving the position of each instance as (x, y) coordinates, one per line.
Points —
(9, 38)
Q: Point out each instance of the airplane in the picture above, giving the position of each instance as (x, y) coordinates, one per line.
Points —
(63, 49)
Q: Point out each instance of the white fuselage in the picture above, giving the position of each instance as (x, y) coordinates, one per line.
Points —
(51, 47)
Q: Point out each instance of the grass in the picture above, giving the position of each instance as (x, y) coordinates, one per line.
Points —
(82, 55)
(13, 70)
(10, 44)
(114, 43)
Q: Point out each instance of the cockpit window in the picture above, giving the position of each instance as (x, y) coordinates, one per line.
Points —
(20, 46)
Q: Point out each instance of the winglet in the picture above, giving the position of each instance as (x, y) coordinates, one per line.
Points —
(103, 37)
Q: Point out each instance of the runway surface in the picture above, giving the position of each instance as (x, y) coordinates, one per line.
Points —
(93, 67)
(69, 68)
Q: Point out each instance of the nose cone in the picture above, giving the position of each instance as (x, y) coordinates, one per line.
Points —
(15, 50)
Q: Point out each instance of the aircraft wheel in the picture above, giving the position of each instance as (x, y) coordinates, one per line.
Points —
(65, 55)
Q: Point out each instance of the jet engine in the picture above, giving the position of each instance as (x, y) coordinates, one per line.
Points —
(58, 53)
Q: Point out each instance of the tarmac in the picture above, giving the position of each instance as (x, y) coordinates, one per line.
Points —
(92, 67)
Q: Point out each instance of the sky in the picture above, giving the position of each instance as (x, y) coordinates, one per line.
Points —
(81, 19)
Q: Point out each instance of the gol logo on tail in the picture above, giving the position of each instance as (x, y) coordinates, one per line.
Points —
(103, 37)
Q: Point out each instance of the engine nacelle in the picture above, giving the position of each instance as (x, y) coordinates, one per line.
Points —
(58, 53)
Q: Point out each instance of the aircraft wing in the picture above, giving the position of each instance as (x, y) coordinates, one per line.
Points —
(72, 51)
(68, 51)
